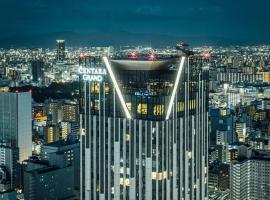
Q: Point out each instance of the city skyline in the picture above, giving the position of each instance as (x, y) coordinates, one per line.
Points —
(134, 100)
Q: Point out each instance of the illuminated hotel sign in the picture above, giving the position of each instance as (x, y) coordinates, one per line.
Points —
(92, 74)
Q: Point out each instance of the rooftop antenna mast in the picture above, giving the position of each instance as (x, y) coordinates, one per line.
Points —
(183, 49)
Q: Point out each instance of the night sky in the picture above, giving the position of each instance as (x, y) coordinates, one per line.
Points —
(242, 19)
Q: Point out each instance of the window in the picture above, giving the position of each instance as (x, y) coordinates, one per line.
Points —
(180, 106)
(128, 106)
(95, 88)
(142, 108)
(158, 109)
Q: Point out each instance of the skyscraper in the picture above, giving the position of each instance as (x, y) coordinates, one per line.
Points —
(16, 122)
(8, 161)
(144, 132)
(52, 179)
(249, 177)
(37, 70)
(60, 50)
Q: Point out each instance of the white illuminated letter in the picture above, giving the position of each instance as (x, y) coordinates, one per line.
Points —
(81, 71)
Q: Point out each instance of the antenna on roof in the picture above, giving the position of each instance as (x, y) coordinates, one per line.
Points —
(183, 47)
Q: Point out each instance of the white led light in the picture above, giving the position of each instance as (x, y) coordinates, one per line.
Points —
(108, 66)
(175, 87)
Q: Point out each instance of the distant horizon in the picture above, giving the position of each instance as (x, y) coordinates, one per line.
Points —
(37, 24)
(118, 38)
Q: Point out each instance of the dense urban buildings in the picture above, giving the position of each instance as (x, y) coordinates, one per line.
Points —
(52, 92)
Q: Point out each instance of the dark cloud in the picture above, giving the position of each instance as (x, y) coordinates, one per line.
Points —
(230, 18)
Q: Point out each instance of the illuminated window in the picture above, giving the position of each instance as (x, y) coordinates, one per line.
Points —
(127, 137)
(158, 109)
(107, 88)
(96, 104)
(142, 108)
(125, 182)
(128, 106)
(95, 88)
(189, 154)
(192, 104)
(223, 112)
(159, 176)
(180, 106)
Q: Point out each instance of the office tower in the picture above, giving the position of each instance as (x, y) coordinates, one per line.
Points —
(70, 111)
(16, 122)
(53, 111)
(52, 179)
(60, 50)
(219, 176)
(71, 149)
(5, 177)
(65, 130)
(221, 120)
(37, 70)
(249, 177)
(144, 130)
(241, 131)
(13, 74)
(52, 133)
(9, 167)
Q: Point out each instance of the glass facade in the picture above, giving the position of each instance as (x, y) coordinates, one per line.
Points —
(146, 156)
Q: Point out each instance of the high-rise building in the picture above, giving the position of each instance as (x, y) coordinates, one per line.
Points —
(52, 133)
(145, 130)
(70, 149)
(60, 50)
(249, 177)
(16, 122)
(219, 178)
(37, 70)
(222, 121)
(52, 179)
(70, 111)
(53, 111)
(8, 162)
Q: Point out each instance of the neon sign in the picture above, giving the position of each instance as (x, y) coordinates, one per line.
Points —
(92, 74)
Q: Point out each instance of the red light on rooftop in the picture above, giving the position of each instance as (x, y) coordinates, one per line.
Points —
(81, 55)
(206, 55)
(152, 57)
(133, 55)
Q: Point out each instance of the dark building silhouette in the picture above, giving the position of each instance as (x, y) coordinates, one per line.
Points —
(60, 50)
(37, 70)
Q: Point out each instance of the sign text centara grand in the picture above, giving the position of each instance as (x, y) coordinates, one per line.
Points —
(92, 73)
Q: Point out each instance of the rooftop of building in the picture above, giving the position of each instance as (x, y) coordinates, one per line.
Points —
(144, 64)
(62, 143)
(256, 155)
(43, 170)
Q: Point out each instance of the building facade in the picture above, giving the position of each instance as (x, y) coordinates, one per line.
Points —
(60, 50)
(37, 70)
(16, 122)
(249, 178)
(144, 128)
